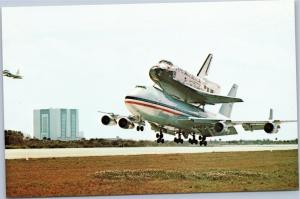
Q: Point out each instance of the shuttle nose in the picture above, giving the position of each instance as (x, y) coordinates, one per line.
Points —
(155, 72)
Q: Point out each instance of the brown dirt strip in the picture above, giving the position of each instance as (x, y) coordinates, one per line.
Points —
(147, 174)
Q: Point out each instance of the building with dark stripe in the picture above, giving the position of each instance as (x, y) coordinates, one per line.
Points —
(56, 124)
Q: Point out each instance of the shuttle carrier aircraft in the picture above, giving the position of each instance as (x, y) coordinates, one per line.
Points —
(176, 106)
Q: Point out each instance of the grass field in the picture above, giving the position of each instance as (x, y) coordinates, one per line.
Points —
(145, 174)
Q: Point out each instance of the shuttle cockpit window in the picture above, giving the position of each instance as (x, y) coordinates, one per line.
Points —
(165, 62)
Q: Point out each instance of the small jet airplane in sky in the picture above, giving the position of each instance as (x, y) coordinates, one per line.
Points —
(176, 107)
(7, 73)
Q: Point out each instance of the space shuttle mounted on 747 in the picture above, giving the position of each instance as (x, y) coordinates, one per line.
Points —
(176, 106)
(187, 87)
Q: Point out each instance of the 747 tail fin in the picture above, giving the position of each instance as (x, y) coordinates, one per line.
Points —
(226, 108)
(271, 114)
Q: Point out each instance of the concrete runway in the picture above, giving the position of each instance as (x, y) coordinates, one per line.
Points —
(110, 151)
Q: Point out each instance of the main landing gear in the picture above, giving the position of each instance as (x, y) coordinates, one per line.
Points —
(179, 139)
(202, 140)
(140, 128)
(193, 141)
(160, 137)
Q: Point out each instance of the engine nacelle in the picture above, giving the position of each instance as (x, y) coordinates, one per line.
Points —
(125, 123)
(108, 120)
(220, 127)
(271, 128)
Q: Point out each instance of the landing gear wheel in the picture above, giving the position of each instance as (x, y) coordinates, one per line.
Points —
(161, 135)
(178, 140)
(138, 128)
(203, 141)
(160, 140)
(193, 141)
(142, 128)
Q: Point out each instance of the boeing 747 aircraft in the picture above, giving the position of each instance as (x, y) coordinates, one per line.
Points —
(176, 107)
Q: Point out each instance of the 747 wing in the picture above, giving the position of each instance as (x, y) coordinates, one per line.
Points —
(269, 126)
(226, 126)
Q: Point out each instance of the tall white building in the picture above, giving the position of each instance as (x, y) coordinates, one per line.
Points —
(56, 124)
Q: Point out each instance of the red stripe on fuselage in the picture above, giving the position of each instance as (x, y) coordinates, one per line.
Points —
(152, 106)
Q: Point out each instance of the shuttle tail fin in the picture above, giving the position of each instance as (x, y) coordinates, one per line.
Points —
(226, 108)
(205, 67)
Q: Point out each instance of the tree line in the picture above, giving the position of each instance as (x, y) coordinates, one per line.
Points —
(16, 139)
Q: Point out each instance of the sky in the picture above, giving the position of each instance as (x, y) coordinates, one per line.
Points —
(90, 57)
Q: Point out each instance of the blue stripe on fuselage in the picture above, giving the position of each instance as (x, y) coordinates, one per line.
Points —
(161, 104)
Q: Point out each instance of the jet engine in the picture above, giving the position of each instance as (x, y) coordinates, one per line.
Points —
(220, 127)
(108, 120)
(125, 123)
(271, 128)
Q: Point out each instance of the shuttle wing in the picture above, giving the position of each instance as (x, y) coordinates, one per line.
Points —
(191, 95)
(196, 96)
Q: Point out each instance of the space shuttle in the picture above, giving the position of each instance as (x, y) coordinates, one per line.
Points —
(194, 89)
